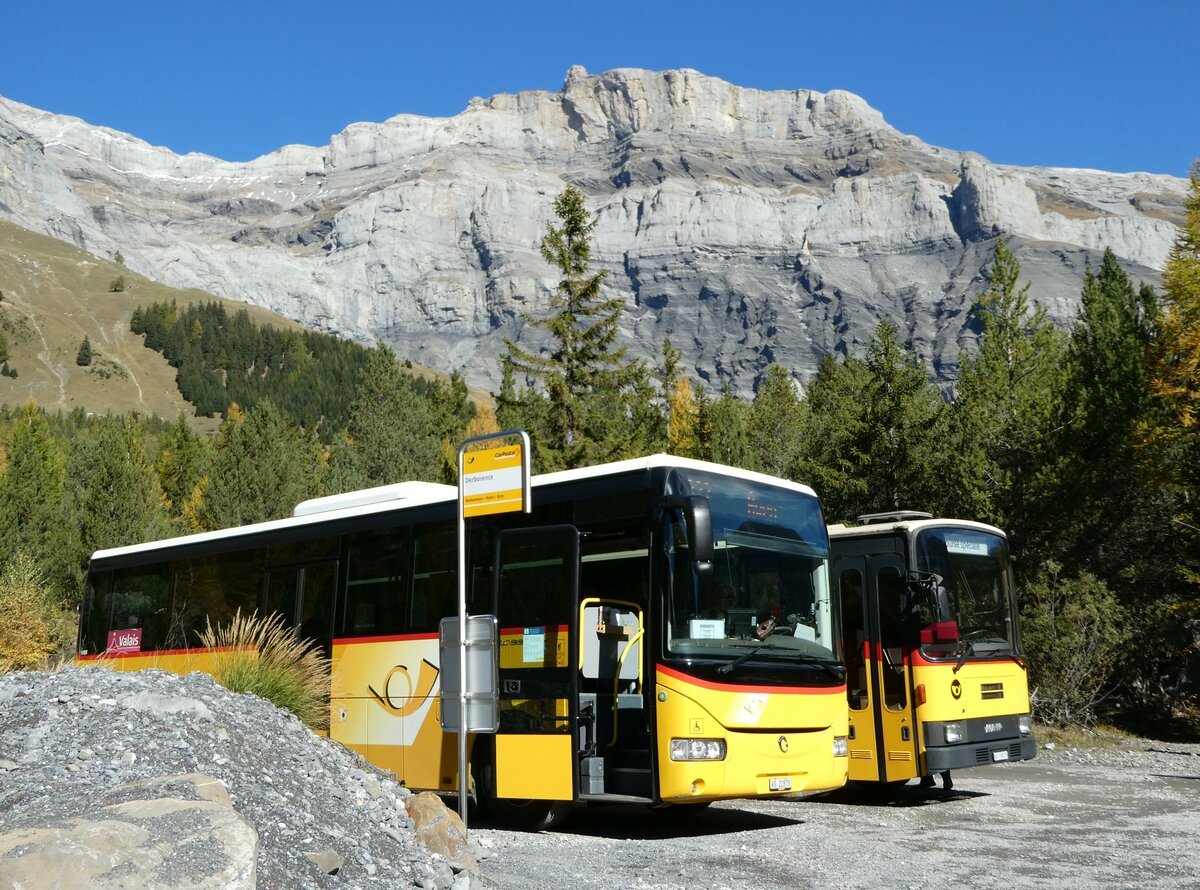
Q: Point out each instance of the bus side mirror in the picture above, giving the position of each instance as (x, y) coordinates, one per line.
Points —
(697, 518)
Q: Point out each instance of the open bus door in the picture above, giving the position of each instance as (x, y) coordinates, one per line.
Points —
(883, 740)
(530, 774)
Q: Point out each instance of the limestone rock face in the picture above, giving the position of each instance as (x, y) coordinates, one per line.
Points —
(749, 227)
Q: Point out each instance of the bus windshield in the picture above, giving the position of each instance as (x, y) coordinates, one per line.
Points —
(969, 605)
(768, 590)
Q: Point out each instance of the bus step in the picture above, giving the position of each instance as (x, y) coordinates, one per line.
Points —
(627, 780)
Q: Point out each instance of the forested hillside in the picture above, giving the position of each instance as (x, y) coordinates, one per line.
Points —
(1083, 444)
(222, 358)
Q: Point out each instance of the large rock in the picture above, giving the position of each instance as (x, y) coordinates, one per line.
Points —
(143, 842)
(750, 227)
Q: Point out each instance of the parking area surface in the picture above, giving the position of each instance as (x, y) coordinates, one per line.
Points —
(1065, 820)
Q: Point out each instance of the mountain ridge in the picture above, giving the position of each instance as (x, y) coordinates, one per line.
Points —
(748, 226)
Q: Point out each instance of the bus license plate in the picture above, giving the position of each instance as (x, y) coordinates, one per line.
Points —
(781, 784)
(997, 756)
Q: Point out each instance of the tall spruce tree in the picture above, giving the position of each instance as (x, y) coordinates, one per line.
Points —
(723, 428)
(774, 424)
(263, 466)
(1006, 409)
(831, 456)
(112, 495)
(873, 437)
(395, 433)
(183, 459)
(31, 491)
(902, 429)
(588, 383)
(1107, 397)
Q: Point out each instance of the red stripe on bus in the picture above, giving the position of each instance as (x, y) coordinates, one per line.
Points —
(393, 638)
(736, 687)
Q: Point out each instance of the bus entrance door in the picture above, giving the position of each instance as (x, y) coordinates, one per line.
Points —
(536, 602)
(893, 708)
(883, 747)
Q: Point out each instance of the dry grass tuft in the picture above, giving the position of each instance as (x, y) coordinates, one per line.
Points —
(265, 657)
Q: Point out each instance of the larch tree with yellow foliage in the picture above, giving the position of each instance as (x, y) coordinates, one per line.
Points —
(1174, 436)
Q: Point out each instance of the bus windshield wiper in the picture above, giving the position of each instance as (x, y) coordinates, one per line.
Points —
(742, 659)
(965, 649)
(831, 669)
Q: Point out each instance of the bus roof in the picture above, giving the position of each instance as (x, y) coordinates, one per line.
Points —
(405, 495)
(908, 525)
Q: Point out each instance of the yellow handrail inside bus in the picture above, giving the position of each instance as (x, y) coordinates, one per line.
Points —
(617, 679)
(641, 629)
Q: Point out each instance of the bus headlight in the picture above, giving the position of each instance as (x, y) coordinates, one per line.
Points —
(841, 747)
(1025, 724)
(954, 733)
(697, 749)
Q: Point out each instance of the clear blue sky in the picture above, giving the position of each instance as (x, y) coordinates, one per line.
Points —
(1105, 84)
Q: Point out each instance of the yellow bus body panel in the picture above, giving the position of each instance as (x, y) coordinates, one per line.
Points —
(181, 662)
(1003, 682)
(786, 735)
(535, 766)
(384, 705)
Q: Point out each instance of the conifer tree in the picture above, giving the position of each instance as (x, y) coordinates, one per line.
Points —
(182, 460)
(112, 495)
(31, 489)
(84, 357)
(1006, 408)
(774, 424)
(394, 433)
(724, 437)
(831, 456)
(1107, 397)
(585, 376)
(263, 466)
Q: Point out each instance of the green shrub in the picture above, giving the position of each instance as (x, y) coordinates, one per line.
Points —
(265, 657)
(1075, 632)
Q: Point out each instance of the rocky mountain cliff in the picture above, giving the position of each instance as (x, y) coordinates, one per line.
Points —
(749, 227)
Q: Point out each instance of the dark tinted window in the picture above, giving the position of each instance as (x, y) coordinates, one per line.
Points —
(376, 599)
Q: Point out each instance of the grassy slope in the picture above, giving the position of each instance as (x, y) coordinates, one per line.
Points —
(54, 295)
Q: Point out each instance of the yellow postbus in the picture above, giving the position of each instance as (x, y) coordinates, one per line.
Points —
(934, 671)
(621, 675)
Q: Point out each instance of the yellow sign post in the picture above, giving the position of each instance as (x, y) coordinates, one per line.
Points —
(493, 477)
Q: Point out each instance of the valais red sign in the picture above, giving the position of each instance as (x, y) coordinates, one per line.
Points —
(124, 640)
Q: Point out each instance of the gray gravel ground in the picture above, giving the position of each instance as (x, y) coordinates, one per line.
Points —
(70, 736)
(1069, 819)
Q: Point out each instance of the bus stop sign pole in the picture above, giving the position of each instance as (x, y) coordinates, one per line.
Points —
(493, 477)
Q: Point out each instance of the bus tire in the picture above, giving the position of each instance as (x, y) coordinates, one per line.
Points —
(522, 814)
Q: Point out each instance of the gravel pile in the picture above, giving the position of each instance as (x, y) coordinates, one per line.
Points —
(81, 732)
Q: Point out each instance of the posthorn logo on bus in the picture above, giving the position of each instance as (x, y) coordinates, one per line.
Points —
(783, 744)
(956, 689)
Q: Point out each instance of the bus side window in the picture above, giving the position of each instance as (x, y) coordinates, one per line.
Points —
(376, 595)
(129, 599)
(434, 560)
